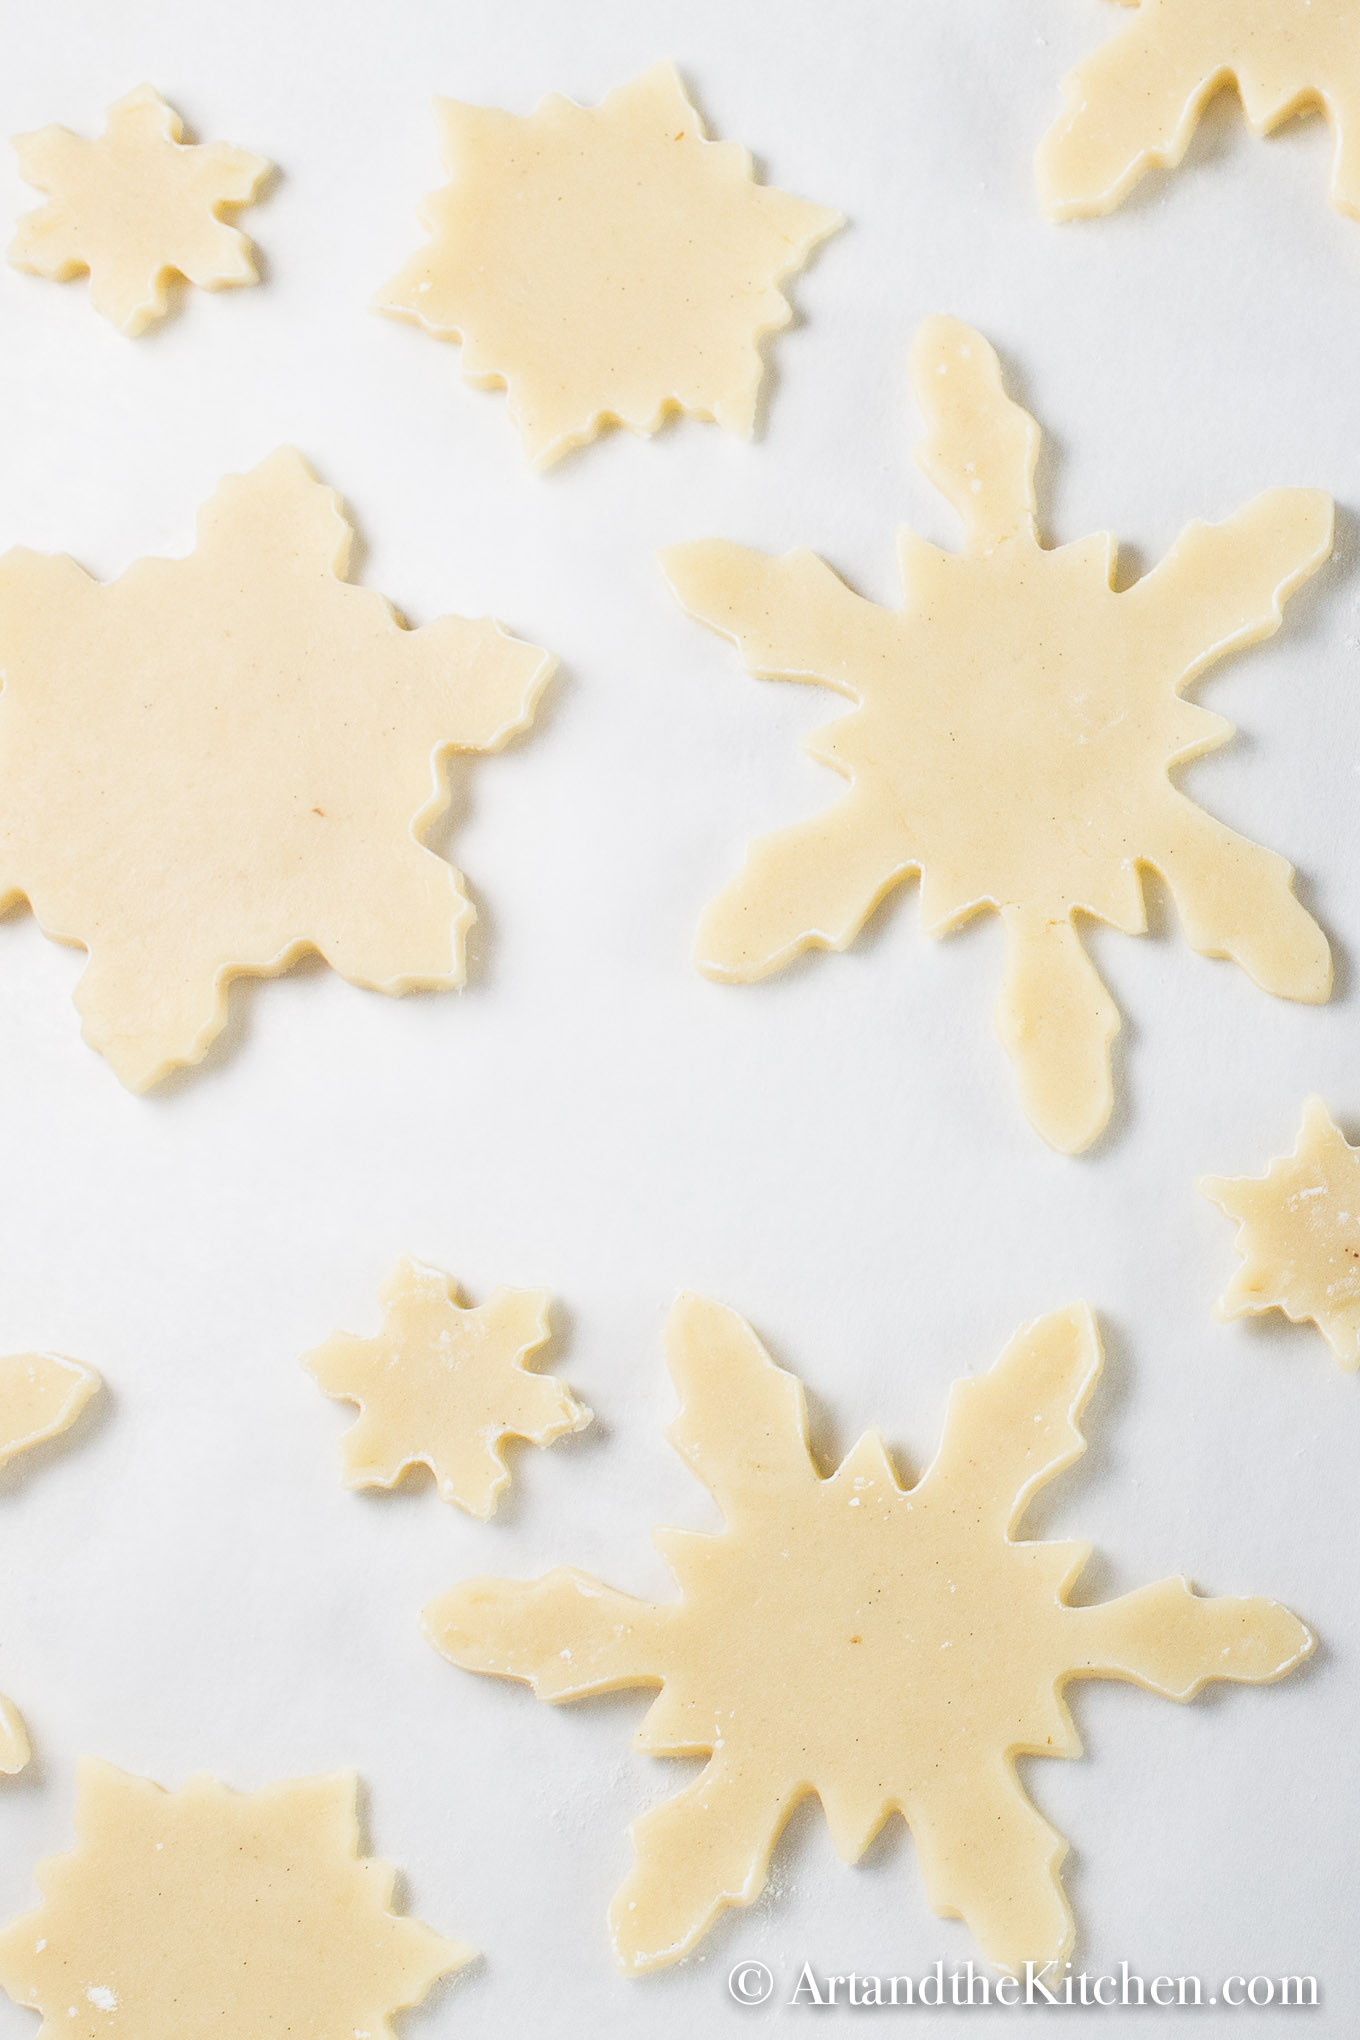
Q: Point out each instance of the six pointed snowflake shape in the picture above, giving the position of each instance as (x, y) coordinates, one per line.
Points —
(444, 1386)
(41, 1395)
(216, 763)
(1298, 1232)
(1014, 726)
(135, 208)
(606, 265)
(888, 1649)
(193, 1914)
(1134, 105)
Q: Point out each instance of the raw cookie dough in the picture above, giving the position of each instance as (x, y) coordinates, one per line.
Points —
(41, 1395)
(1014, 726)
(216, 763)
(1135, 103)
(135, 209)
(444, 1387)
(1298, 1233)
(202, 1913)
(889, 1650)
(606, 265)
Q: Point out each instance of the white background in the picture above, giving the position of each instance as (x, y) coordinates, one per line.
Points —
(838, 1153)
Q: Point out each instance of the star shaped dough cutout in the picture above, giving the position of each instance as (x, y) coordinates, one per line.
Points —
(1298, 1233)
(1135, 103)
(41, 1395)
(186, 1915)
(444, 1386)
(888, 1649)
(216, 763)
(1014, 726)
(606, 265)
(136, 208)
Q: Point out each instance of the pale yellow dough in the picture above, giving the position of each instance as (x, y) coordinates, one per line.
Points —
(1014, 726)
(216, 763)
(1135, 103)
(891, 1650)
(1298, 1233)
(135, 208)
(203, 1913)
(444, 1386)
(606, 265)
(41, 1395)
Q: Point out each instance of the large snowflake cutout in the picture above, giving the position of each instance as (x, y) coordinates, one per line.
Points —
(890, 1649)
(135, 209)
(1298, 1233)
(444, 1386)
(41, 1395)
(606, 265)
(216, 763)
(1135, 103)
(193, 1914)
(1014, 726)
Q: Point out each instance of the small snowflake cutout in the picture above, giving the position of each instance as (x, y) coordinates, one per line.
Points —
(888, 1649)
(214, 764)
(135, 209)
(195, 1914)
(606, 265)
(1014, 727)
(443, 1386)
(1134, 104)
(1298, 1233)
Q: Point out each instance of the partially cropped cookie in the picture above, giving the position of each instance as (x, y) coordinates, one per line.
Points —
(215, 763)
(1135, 102)
(1298, 1235)
(199, 1913)
(606, 264)
(41, 1395)
(136, 208)
(445, 1386)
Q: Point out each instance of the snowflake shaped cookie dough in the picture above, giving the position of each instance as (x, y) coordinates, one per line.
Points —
(1014, 727)
(1135, 103)
(41, 1395)
(444, 1386)
(1298, 1233)
(215, 763)
(186, 1915)
(135, 209)
(890, 1650)
(606, 265)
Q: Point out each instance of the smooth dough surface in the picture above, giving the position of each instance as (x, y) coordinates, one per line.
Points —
(1298, 1233)
(41, 1395)
(444, 1386)
(1015, 723)
(135, 208)
(1134, 104)
(606, 264)
(216, 763)
(202, 1913)
(889, 1649)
